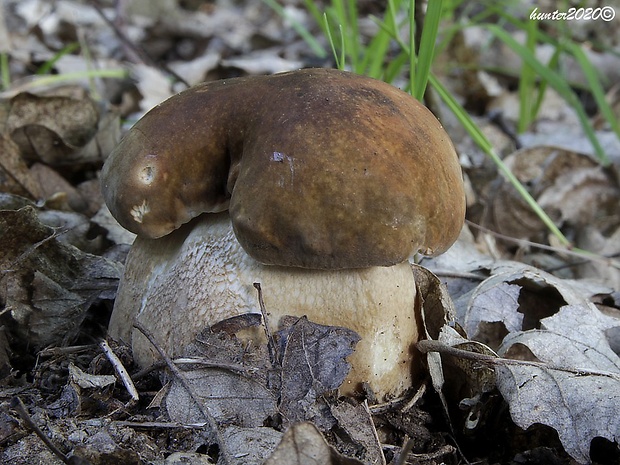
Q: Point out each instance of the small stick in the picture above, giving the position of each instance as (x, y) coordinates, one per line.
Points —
(274, 354)
(121, 372)
(428, 345)
(225, 455)
(583, 254)
(18, 405)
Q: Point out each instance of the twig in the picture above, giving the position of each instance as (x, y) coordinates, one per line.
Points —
(225, 455)
(203, 362)
(158, 424)
(441, 452)
(274, 353)
(139, 52)
(575, 252)
(18, 405)
(428, 345)
(403, 403)
(120, 370)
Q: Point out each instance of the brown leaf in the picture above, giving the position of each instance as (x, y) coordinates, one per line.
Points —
(50, 129)
(303, 444)
(313, 363)
(47, 285)
(51, 183)
(232, 381)
(14, 175)
(571, 187)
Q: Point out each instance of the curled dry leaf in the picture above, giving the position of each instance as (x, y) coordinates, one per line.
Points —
(47, 286)
(578, 391)
(60, 130)
(516, 297)
(494, 301)
(51, 128)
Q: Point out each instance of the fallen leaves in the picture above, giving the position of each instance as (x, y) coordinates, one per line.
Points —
(245, 387)
(576, 390)
(553, 368)
(47, 286)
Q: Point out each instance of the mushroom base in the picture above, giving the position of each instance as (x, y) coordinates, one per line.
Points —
(198, 275)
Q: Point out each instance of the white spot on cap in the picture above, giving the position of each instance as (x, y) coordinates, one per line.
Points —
(138, 211)
(147, 175)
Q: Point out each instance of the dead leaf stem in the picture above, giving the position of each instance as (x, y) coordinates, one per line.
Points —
(274, 354)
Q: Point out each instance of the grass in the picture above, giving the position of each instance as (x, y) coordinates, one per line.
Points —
(44, 77)
(392, 53)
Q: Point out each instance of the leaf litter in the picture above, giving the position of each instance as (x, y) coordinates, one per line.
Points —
(499, 332)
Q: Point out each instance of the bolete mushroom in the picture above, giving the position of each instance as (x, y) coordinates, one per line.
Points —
(332, 181)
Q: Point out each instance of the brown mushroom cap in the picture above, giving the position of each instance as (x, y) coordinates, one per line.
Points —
(321, 168)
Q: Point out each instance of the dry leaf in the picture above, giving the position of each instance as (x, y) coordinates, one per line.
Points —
(355, 420)
(493, 301)
(88, 381)
(303, 444)
(251, 446)
(14, 175)
(313, 364)
(571, 187)
(235, 384)
(595, 241)
(48, 286)
(578, 394)
(51, 129)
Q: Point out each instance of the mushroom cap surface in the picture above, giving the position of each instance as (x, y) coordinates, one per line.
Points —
(320, 169)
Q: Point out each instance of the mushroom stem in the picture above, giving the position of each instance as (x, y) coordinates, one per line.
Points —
(199, 275)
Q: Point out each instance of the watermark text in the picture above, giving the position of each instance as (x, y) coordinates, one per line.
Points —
(605, 13)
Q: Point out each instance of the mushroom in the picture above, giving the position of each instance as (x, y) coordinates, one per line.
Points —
(332, 182)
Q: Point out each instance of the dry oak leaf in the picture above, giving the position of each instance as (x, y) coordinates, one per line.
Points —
(576, 390)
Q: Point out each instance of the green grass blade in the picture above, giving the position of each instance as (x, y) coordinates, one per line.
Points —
(527, 82)
(316, 47)
(47, 67)
(375, 56)
(337, 58)
(542, 87)
(481, 140)
(426, 52)
(412, 46)
(5, 71)
(354, 45)
(76, 76)
(559, 84)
